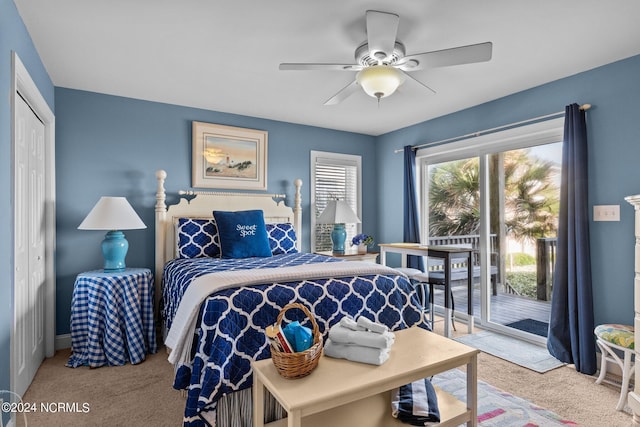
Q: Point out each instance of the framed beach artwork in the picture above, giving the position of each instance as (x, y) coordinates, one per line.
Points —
(228, 157)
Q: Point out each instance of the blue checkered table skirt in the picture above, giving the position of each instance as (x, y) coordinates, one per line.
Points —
(112, 318)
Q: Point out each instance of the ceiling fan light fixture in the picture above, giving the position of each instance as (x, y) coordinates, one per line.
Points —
(380, 81)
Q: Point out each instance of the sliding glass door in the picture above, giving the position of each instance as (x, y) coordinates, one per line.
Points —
(453, 207)
(524, 193)
(498, 194)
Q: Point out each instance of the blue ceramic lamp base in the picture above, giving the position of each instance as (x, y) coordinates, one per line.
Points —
(114, 251)
(338, 237)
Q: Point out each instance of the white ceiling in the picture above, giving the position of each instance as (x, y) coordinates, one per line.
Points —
(223, 55)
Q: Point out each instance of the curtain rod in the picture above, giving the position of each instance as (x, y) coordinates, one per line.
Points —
(583, 107)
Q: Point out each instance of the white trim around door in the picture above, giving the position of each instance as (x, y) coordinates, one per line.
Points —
(24, 87)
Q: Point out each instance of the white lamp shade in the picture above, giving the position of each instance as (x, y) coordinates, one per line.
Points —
(112, 213)
(338, 212)
(380, 81)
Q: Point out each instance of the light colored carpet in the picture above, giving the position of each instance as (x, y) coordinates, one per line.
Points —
(522, 353)
(129, 395)
(564, 391)
(141, 395)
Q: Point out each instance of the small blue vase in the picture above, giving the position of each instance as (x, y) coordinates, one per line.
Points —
(338, 237)
(114, 251)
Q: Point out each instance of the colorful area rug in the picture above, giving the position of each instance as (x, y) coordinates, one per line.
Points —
(532, 326)
(527, 355)
(497, 408)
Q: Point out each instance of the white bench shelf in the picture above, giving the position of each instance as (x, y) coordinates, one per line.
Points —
(344, 393)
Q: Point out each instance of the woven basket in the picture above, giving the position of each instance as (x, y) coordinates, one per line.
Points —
(300, 364)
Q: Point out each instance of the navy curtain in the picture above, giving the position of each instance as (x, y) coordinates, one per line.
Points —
(571, 325)
(411, 232)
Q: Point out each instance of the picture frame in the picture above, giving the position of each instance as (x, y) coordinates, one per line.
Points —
(228, 157)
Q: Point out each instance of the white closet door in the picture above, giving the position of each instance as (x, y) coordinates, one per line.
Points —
(29, 279)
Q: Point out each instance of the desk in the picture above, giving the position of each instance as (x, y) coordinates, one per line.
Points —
(443, 252)
(343, 393)
(353, 256)
(112, 318)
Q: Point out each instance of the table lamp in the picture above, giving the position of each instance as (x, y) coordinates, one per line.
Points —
(338, 213)
(113, 214)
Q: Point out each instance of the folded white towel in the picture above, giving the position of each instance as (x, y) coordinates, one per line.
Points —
(371, 325)
(356, 353)
(342, 335)
(349, 323)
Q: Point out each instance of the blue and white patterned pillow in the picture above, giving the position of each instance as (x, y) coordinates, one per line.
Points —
(282, 238)
(197, 238)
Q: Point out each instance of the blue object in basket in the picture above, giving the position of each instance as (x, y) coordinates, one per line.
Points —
(299, 336)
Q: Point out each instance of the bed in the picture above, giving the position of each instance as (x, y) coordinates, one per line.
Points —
(216, 300)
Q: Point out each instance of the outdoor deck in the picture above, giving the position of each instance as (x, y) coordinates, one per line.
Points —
(505, 308)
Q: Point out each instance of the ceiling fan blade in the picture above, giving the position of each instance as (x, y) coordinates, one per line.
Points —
(343, 94)
(409, 76)
(382, 28)
(325, 67)
(480, 52)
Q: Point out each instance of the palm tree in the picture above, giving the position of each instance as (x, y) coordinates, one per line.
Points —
(532, 202)
(454, 198)
(531, 197)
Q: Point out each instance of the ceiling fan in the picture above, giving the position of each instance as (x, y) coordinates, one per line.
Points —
(382, 64)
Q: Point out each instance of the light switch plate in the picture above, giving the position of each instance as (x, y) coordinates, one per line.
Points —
(606, 212)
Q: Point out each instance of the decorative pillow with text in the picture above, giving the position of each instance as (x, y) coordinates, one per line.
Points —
(243, 234)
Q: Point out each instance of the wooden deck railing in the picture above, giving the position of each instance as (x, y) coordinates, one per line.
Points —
(471, 240)
(545, 259)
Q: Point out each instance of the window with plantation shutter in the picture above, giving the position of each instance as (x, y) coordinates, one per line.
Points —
(333, 176)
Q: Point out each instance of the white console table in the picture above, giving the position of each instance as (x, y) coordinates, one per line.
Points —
(343, 393)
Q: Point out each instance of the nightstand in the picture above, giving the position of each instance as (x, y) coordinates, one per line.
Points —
(112, 318)
(353, 256)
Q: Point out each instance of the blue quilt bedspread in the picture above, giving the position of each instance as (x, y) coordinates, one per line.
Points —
(232, 321)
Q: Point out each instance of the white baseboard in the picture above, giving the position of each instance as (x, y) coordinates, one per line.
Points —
(63, 341)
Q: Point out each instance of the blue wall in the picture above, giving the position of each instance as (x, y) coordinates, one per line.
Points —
(112, 146)
(613, 127)
(13, 37)
(108, 145)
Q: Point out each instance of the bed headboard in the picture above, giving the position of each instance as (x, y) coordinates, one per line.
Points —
(203, 203)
